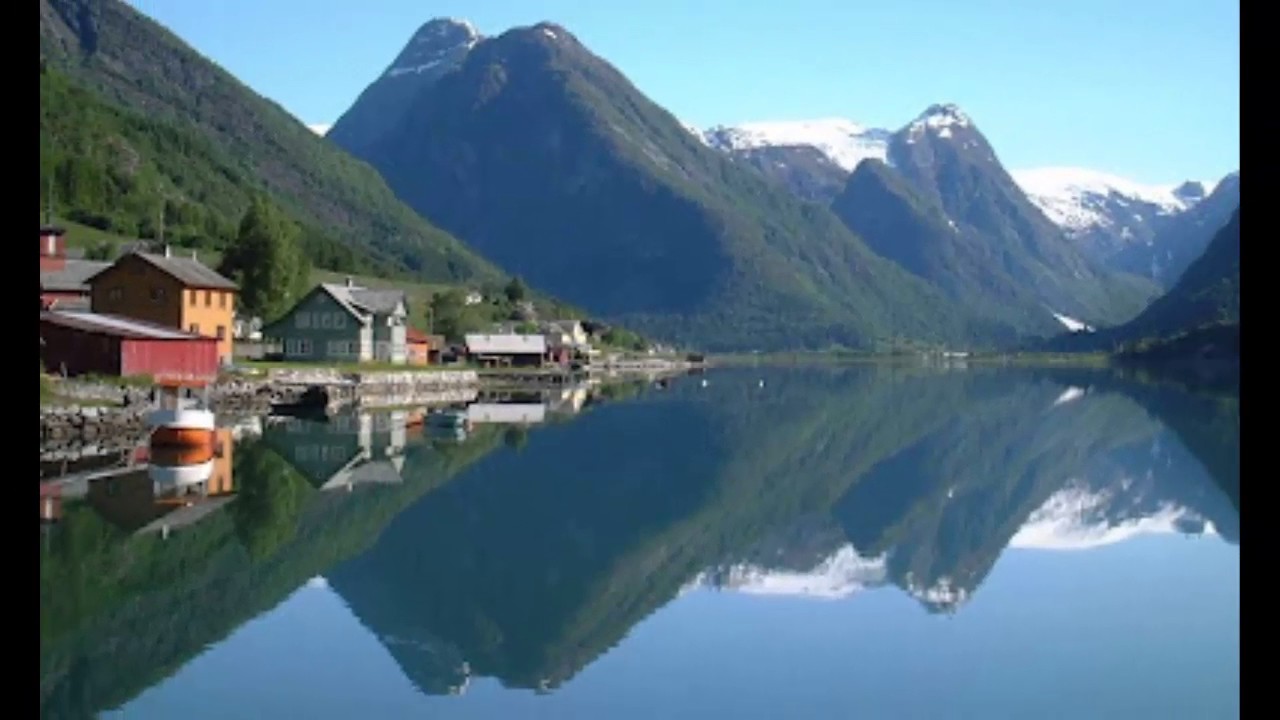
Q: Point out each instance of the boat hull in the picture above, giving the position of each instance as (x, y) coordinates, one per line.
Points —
(184, 427)
(176, 437)
(176, 476)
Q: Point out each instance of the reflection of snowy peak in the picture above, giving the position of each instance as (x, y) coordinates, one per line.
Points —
(840, 575)
(1078, 517)
(941, 596)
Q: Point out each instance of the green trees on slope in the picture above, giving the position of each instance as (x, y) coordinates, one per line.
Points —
(267, 261)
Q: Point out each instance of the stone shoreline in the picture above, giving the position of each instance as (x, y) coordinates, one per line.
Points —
(103, 413)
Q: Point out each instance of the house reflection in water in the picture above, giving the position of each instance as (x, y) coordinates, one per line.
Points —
(177, 489)
(348, 450)
(507, 413)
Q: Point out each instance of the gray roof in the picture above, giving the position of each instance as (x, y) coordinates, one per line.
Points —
(363, 301)
(73, 277)
(506, 344)
(188, 271)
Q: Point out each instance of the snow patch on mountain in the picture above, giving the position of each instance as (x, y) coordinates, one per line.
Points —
(943, 594)
(840, 575)
(1078, 198)
(1075, 518)
(439, 41)
(319, 128)
(1070, 395)
(842, 141)
(1072, 324)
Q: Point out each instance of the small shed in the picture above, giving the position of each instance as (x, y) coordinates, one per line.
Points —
(507, 349)
(418, 347)
(85, 342)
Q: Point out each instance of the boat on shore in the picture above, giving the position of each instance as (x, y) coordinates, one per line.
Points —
(181, 421)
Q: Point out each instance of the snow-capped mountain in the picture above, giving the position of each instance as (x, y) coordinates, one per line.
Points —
(1105, 212)
(844, 142)
(840, 575)
(1078, 518)
(437, 48)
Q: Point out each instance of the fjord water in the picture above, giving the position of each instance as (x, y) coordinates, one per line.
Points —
(873, 542)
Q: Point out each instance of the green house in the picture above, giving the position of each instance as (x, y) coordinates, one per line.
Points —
(344, 323)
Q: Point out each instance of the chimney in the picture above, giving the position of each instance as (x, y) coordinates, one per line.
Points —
(350, 282)
(167, 253)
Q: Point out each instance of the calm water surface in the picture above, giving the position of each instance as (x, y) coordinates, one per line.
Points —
(872, 542)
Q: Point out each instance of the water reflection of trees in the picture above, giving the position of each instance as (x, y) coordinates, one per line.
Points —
(530, 565)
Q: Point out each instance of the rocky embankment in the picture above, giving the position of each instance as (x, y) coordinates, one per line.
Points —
(106, 415)
(382, 389)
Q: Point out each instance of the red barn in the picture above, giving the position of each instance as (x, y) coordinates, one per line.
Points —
(85, 342)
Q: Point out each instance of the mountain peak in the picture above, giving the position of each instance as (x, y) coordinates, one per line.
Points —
(445, 28)
(440, 41)
(1190, 192)
(941, 115)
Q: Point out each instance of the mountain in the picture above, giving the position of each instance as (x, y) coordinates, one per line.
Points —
(1114, 220)
(1103, 213)
(812, 158)
(946, 209)
(1184, 238)
(438, 48)
(212, 141)
(897, 222)
(1207, 294)
(548, 160)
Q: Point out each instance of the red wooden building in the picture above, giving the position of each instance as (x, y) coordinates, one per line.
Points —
(83, 342)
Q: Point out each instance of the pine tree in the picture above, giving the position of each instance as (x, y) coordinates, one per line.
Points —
(266, 258)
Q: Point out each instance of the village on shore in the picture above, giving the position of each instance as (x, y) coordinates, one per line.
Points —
(172, 318)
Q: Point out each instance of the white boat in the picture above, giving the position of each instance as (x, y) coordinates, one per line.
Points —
(181, 421)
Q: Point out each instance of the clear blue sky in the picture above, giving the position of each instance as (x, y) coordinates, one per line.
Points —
(1146, 89)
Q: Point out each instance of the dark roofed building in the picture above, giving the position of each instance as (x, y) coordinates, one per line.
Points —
(175, 292)
(63, 280)
(344, 323)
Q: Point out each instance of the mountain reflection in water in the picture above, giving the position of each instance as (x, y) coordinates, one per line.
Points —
(524, 552)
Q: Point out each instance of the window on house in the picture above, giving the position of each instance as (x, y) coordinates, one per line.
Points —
(326, 320)
(303, 319)
(222, 300)
(222, 332)
(52, 245)
(304, 347)
(354, 348)
(157, 294)
(339, 321)
(208, 298)
(115, 293)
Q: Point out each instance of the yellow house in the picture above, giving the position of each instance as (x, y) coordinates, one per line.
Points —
(177, 292)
